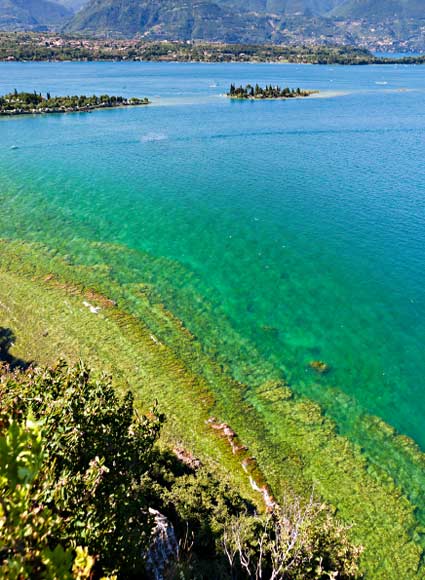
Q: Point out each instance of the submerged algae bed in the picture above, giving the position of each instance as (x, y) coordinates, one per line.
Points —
(45, 299)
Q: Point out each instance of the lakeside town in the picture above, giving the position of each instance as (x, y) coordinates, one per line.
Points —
(33, 46)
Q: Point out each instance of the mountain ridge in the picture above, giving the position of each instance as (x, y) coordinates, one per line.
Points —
(399, 24)
(376, 9)
(73, 5)
(230, 20)
(32, 14)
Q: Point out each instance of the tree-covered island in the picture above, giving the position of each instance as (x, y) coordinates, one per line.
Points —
(23, 103)
(268, 92)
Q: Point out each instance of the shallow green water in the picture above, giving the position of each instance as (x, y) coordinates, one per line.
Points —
(300, 225)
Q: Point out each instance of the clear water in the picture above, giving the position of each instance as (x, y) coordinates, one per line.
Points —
(302, 223)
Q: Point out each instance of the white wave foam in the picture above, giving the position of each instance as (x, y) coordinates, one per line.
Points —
(153, 137)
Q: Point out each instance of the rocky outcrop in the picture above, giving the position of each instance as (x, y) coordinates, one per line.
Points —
(249, 464)
(164, 547)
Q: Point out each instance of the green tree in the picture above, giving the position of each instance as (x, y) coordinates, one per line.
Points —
(26, 524)
(96, 452)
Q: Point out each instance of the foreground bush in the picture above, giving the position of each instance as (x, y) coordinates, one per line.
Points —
(296, 541)
(26, 526)
(80, 470)
(85, 465)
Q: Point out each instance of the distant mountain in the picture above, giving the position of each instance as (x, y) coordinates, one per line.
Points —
(226, 20)
(176, 19)
(396, 25)
(32, 14)
(284, 7)
(74, 5)
(373, 10)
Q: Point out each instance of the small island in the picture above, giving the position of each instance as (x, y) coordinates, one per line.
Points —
(268, 92)
(36, 104)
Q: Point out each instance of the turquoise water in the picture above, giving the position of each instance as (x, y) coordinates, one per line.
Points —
(301, 224)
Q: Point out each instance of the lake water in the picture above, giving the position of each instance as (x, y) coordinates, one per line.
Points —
(300, 225)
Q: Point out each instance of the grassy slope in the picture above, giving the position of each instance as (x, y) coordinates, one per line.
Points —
(155, 355)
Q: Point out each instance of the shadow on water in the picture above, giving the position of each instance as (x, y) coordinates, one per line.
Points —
(7, 340)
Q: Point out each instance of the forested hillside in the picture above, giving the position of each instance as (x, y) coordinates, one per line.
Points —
(32, 14)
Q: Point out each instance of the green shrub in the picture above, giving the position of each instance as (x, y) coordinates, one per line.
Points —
(26, 525)
(95, 453)
(79, 470)
(294, 542)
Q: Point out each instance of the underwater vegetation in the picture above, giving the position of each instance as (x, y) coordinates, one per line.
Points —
(320, 366)
(59, 302)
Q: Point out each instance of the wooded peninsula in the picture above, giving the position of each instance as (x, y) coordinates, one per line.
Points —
(22, 103)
